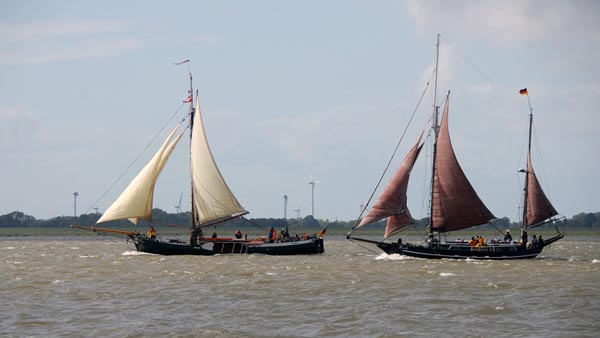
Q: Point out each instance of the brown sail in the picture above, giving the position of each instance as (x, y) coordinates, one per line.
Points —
(539, 207)
(392, 202)
(455, 203)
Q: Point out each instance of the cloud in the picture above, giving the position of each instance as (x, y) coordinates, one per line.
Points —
(513, 22)
(36, 31)
(295, 136)
(45, 42)
(84, 49)
(592, 89)
(50, 41)
(18, 130)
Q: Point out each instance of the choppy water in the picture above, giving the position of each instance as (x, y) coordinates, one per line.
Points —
(100, 287)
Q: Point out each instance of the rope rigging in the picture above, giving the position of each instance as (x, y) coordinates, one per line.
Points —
(137, 157)
(392, 157)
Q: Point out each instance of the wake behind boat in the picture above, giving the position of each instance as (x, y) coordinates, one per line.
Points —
(213, 203)
(454, 204)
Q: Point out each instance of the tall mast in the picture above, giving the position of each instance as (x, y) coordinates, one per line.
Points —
(526, 190)
(435, 127)
(192, 112)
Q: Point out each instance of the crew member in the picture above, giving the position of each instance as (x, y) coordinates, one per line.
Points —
(151, 233)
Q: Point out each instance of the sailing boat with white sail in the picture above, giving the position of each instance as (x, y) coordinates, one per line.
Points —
(212, 203)
(454, 205)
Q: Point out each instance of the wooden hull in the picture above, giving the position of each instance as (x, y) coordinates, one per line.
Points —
(463, 251)
(212, 247)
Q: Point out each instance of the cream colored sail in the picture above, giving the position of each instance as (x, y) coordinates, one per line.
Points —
(135, 202)
(212, 199)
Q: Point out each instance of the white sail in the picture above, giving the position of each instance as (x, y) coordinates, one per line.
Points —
(212, 199)
(135, 202)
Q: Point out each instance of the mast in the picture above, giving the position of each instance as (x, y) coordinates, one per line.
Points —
(435, 127)
(526, 190)
(192, 111)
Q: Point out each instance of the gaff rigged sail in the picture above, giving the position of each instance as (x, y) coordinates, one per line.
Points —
(455, 202)
(392, 202)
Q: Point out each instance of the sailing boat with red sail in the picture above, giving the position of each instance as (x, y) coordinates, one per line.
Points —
(454, 205)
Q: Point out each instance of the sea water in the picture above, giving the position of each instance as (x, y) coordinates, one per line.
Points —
(101, 287)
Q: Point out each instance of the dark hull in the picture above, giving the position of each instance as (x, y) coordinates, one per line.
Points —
(302, 247)
(463, 251)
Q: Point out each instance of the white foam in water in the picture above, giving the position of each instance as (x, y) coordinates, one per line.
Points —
(83, 256)
(595, 260)
(134, 253)
(392, 257)
(447, 274)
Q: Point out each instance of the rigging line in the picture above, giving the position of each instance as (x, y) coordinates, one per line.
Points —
(364, 247)
(393, 154)
(538, 150)
(495, 227)
(135, 160)
(105, 237)
(254, 223)
(482, 74)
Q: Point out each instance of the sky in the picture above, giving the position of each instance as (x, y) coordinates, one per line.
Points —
(294, 89)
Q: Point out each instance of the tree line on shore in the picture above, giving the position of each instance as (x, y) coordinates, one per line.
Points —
(18, 219)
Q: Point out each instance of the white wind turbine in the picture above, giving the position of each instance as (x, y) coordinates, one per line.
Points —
(312, 183)
(75, 195)
(178, 206)
(285, 204)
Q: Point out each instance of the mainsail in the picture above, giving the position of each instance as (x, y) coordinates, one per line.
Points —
(392, 202)
(212, 199)
(135, 202)
(539, 207)
(455, 203)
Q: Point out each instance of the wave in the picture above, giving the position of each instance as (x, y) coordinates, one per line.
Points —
(393, 257)
(134, 253)
(447, 274)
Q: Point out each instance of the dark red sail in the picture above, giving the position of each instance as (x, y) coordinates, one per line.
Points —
(455, 202)
(539, 207)
(392, 202)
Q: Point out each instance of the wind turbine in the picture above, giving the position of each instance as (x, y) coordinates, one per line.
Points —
(312, 183)
(285, 204)
(75, 195)
(297, 213)
(178, 206)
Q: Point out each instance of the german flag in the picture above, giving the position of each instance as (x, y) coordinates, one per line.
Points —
(523, 91)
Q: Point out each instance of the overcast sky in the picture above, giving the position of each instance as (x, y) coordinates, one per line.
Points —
(294, 88)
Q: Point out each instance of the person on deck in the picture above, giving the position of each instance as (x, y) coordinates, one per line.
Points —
(270, 235)
(287, 234)
(540, 240)
(507, 236)
(238, 234)
(151, 233)
(523, 238)
(214, 235)
(274, 234)
(194, 236)
(282, 235)
(480, 242)
(472, 242)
